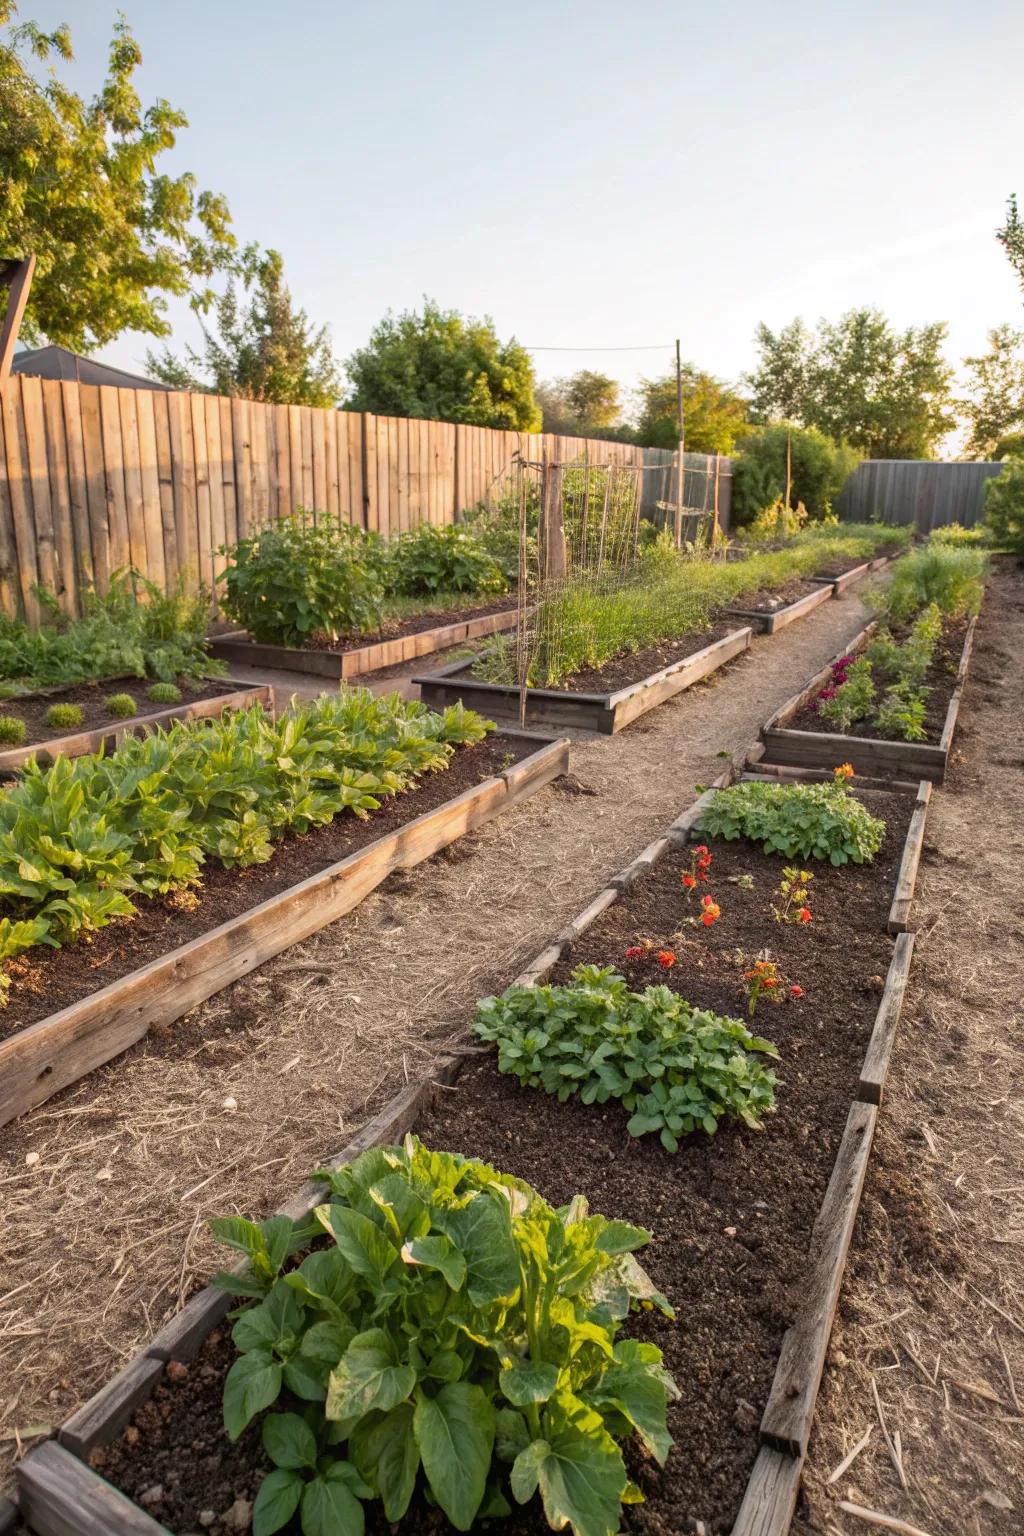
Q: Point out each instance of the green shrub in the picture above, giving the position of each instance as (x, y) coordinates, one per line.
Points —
(457, 1335)
(820, 469)
(821, 821)
(961, 538)
(292, 579)
(496, 527)
(853, 698)
(677, 1069)
(64, 717)
(952, 579)
(1004, 507)
(121, 705)
(13, 732)
(450, 559)
(164, 693)
(901, 713)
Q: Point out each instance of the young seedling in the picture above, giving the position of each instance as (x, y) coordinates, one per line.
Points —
(13, 732)
(164, 693)
(792, 896)
(64, 717)
(121, 705)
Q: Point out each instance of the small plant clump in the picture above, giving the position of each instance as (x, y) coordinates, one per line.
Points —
(164, 693)
(675, 1068)
(793, 896)
(13, 732)
(765, 982)
(430, 560)
(800, 821)
(850, 694)
(121, 705)
(64, 717)
(457, 1339)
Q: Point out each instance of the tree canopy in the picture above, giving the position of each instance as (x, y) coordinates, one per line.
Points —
(582, 405)
(994, 407)
(265, 350)
(1011, 238)
(714, 415)
(80, 186)
(886, 392)
(443, 366)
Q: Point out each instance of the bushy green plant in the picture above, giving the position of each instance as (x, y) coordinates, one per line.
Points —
(821, 821)
(457, 1335)
(1004, 507)
(13, 731)
(434, 559)
(121, 705)
(775, 523)
(293, 579)
(675, 1068)
(64, 717)
(907, 663)
(953, 579)
(164, 693)
(901, 713)
(853, 698)
(81, 840)
(495, 526)
(958, 537)
(820, 469)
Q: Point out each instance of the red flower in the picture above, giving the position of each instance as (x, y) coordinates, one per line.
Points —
(666, 959)
(712, 911)
(805, 914)
(796, 991)
(689, 881)
(635, 952)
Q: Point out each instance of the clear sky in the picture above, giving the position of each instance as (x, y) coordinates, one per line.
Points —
(600, 174)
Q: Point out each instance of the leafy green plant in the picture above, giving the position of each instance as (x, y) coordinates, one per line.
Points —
(434, 559)
(958, 537)
(821, 821)
(81, 840)
(164, 693)
(953, 579)
(457, 1335)
(294, 579)
(64, 717)
(121, 705)
(13, 731)
(853, 698)
(1004, 507)
(902, 713)
(677, 1069)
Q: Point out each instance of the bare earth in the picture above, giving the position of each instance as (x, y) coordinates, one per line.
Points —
(102, 1239)
(932, 1313)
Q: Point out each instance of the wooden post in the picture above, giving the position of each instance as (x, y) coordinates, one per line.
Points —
(553, 532)
(16, 275)
(680, 471)
(714, 526)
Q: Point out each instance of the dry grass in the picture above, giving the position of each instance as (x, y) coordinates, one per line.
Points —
(104, 1234)
(931, 1327)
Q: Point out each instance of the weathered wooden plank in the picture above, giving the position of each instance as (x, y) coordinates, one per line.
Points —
(180, 1338)
(370, 519)
(241, 449)
(786, 1423)
(38, 1061)
(771, 1494)
(227, 472)
(165, 486)
(287, 503)
(37, 464)
(131, 467)
(383, 426)
(20, 497)
(770, 623)
(953, 710)
(306, 456)
(9, 586)
(149, 481)
(899, 912)
(113, 470)
(875, 1068)
(318, 449)
(355, 429)
(332, 476)
(60, 1496)
(215, 474)
(60, 494)
(204, 503)
(262, 490)
(185, 489)
(591, 912)
(636, 700)
(95, 485)
(109, 1409)
(869, 757)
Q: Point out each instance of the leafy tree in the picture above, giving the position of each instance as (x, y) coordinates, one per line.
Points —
(582, 405)
(714, 416)
(266, 349)
(886, 392)
(79, 186)
(819, 467)
(994, 408)
(444, 367)
(1004, 507)
(1011, 238)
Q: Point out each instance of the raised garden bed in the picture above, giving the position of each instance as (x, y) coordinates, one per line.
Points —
(766, 612)
(605, 711)
(164, 961)
(415, 637)
(751, 1231)
(796, 738)
(98, 729)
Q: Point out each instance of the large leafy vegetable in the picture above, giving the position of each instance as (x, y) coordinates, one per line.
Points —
(457, 1334)
(676, 1068)
(821, 821)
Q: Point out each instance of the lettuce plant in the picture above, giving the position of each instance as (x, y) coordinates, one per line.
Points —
(457, 1335)
(800, 821)
(676, 1068)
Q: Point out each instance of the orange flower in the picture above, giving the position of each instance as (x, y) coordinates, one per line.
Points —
(770, 981)
(666, 959)
(844, 771)
(805, 914)
(712, 911)
(689, 881)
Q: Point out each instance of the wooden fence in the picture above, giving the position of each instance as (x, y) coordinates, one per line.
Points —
(96, 478)
(917, 491)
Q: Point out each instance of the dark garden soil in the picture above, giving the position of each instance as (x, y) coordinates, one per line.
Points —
(940, 682)
(634, 666)
(732, 1216)
(839, 567)
(394, 629)
(45, 980)
(91, 697)
(779, 597)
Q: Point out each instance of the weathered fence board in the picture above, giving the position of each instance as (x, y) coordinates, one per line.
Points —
(927, 494)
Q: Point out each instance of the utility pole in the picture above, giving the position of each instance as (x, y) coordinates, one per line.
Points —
(680, 471)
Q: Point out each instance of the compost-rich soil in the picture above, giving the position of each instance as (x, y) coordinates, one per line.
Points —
(840, 566)
(779, 597)
(91, 697)
(396, 629)
(635, 666)
(45, 980)
(940, 682)
(731, 1216)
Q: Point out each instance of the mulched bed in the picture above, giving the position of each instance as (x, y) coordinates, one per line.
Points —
(394, 629)
(941, 680)
(732, 1216)
(45, 980)
(32, 707)
(780, 597)
(634, 666)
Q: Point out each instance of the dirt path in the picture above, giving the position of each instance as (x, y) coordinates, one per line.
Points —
(104, 1234)
(933, 1305)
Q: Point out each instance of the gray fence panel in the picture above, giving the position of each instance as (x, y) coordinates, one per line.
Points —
(919, 491)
